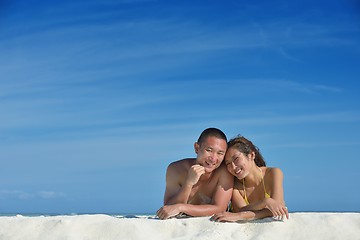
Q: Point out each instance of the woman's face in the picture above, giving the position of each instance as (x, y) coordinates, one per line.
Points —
(237, 163)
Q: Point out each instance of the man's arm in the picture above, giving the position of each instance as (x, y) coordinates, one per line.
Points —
(178, 189)
(220, 200)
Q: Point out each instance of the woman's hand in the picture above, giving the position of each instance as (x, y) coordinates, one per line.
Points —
(226, 217)
(278, 209)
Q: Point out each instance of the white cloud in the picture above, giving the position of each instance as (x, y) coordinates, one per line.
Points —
(23, 195)
(5, 194)
(50, 194)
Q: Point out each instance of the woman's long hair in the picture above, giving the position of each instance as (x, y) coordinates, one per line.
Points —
(246, 147)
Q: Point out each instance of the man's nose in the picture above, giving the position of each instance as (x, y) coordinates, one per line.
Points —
(212, 156)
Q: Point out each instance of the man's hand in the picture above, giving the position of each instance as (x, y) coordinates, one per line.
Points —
(194, 174)
(168, 211)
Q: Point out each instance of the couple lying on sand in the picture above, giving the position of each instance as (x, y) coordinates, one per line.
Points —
(206, 186)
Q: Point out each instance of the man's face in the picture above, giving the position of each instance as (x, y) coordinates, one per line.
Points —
(211, 153)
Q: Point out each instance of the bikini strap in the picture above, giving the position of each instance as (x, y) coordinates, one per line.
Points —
(262, 179)
(245, 197)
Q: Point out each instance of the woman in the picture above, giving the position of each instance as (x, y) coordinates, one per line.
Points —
(258, 190)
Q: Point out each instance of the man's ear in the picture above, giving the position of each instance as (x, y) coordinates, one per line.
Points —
(196, 147)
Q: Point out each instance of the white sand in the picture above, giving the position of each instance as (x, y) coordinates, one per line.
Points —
(300, 226)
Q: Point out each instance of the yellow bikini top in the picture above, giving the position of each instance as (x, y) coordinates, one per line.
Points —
(245, 197)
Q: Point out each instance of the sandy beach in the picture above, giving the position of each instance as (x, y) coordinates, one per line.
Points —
(98, 226)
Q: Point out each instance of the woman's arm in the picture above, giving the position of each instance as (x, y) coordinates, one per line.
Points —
(238, 204)
(237, 201)
(275, 203)
(241, 216)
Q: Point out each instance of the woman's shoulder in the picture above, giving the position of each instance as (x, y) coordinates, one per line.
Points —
(273, 172)
(272, 169)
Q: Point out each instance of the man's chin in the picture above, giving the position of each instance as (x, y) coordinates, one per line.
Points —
(210, 169)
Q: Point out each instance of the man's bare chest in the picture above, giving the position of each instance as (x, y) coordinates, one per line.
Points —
(202, 193)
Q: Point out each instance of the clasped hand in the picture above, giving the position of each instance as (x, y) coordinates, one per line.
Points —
(194, 174)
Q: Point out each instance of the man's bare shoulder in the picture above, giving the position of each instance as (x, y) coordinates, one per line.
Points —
(222, 173)
(222, 169)
(181, 165)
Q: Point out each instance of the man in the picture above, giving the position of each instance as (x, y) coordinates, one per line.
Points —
(199, 186)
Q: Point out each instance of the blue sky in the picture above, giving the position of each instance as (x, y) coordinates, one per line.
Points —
(98, 97)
